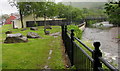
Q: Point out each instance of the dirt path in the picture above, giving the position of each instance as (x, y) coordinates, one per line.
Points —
(109, 43)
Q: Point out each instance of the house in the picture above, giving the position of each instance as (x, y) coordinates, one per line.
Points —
(9, 20)
(17, 22)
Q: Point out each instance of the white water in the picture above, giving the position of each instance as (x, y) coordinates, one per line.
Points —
(107, 38)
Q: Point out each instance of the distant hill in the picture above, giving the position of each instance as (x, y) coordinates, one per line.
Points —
(86, 4)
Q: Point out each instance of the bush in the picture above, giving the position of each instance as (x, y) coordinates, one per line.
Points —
(90, 23)
(35, 24)
(77, 31)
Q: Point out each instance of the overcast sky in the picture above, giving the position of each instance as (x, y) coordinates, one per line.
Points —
(5, 8)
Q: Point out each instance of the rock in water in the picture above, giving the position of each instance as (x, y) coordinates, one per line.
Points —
(15, 38)
(34, 28)
(32, 35)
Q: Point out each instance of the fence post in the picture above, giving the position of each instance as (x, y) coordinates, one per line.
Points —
(65, 29)
(62, 26)
(96, 54)
(72, 48)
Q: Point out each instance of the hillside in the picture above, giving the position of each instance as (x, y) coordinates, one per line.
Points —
(88, 5)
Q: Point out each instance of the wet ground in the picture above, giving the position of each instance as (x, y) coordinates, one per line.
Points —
(108, 40)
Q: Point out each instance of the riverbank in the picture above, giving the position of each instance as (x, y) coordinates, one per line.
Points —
(109, 42)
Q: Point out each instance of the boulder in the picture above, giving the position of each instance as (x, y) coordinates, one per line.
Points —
(56, 34)
(47, 32)
(8, 32)
(47, 27)
(34, 28)
(23, 29)
(32, 35)
(15, 38)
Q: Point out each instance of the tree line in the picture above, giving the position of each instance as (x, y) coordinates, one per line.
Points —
(52, 9)
(113, 12)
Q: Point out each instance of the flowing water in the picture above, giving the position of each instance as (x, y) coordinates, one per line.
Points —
(108, 40)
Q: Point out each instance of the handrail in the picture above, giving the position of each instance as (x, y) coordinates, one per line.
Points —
(69, 32)
(84, 52)
(107, 64)
(84, 45)
(96, 58)
(100, 69)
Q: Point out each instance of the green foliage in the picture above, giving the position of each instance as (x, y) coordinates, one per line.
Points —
(93, 12)
(69, 12)
(72, 13)
(90, 23)
(73, 67)
(51, 9)
(36, 24)
(40, 9)
(118, 36)
(113, 12)
(77, 31)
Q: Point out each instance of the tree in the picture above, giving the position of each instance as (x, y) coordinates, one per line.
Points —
(113, 12)
(64, 11)
(14, 3)
(47, 9)
(38, 9)
(77, 14)
(69, 12)
(5, 16)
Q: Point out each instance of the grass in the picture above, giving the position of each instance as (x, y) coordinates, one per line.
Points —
(78, 34)
(77, 31)
(87, 43)
(118, 36)
(0, 49)
(33, 54)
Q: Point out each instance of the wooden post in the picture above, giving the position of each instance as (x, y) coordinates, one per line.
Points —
(96, 54)
(72, 48)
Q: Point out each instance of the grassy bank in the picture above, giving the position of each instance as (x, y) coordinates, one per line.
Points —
(33, 54)
(0, 49)
(78, 34)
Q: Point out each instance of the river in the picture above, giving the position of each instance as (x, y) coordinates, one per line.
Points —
(108, 40)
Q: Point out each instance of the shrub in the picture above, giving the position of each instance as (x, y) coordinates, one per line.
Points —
(90, 23)
(77, 31)
(35, 24)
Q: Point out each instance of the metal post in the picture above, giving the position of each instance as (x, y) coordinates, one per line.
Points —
(96, 54)
(62, 31)
(65, 34)
(72, 48)
(65, 29)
